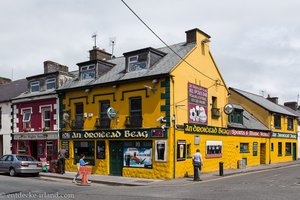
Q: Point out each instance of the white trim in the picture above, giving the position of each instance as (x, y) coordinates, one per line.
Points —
(45, 106)
(213, 142)
(27, 108)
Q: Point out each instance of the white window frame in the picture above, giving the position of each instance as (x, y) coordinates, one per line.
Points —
(50, 81)
(44, 109)
(34, 84)
(87, 69)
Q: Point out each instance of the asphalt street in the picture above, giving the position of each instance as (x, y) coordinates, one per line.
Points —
(275, 184)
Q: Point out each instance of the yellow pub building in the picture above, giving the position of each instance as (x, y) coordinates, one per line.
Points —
(145, 113)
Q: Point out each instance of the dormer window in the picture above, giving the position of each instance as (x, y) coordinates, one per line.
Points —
(236, 116)
(35, 86)
(137, 62)
(88, 72)
(51, 83)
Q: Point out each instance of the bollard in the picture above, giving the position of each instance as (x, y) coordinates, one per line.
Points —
(221, 170)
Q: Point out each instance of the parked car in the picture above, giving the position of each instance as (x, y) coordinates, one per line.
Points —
(20, 164)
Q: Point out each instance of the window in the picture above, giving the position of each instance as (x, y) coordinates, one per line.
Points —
(213, 149)
(135, 109)
(255, 148)
(88, 72)
(35, 86)
(26, 119)
(104, 121)
(215, 111)
(279, 149)
(78, 123)
(272, 146)
(244, 148)
(87, 148)
(0, 118)
(46, 118)
(288, 148)
(277, 121)
(290, 123)
(51, 83)
(236, 116)
(137, 62)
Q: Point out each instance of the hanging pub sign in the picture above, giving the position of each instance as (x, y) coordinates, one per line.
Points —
(197, 104)
(115, 134)
(197, 128)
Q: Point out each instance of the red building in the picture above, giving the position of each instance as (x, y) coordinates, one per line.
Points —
(35, 119)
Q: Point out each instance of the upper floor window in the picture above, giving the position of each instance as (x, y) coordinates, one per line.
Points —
(103, 121)
(88, 72)
(236, 116)
(46, 118)
(51, 83)
(277, 121)
(26, 119)
(290, 123)
(135, 112)
(215, 111)
(35, 86)
(137, 62)
(78, 123)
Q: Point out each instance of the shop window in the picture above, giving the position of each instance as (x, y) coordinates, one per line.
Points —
(279, 149)
(22, 147)
(35, 86)
(103, 121)
(188, 151)
(290, 123)
(87, 148)
(272, 146)
(135, 111)
(46, 118)
(213, 149)
(100, 149)
(277, 121)
(78, 122)
(236, 116)
(255, 148)
(244, 148)
(50, 83)
(288, 148)
(137, 154)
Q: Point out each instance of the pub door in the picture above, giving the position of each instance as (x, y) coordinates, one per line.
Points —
(116, 157)
(262, 153)
(33, 148)
(294, 151)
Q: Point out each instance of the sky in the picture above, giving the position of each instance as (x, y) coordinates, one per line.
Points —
(255, 43)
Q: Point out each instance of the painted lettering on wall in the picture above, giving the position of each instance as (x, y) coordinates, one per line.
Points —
(196, 128)
(248, 133)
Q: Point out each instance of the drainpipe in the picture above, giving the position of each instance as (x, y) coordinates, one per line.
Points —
(174, 129)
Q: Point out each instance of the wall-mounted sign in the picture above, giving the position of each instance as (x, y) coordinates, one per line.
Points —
(284, 135)
(181, 150)
(36, 136)
(112, 134)
(196, 128)
(197, 104)
(248, 133)
(138, 154)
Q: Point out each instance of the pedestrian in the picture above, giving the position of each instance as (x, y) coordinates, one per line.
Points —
(80, 164)
(197, 163)
(62, 160)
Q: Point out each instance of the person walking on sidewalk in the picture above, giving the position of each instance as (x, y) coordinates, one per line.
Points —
(197, 163)
(62, 160)
(80, 164)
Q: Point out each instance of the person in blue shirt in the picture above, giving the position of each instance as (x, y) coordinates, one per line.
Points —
(81, 163)
(198, 163)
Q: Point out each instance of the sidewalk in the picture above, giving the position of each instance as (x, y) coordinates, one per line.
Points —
(125, 181)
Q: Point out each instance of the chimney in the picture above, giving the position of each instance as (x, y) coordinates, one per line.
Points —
(4, 80)
(293, 105)
(196, 35)
(50, 66)
(98, 54)
(273, 99)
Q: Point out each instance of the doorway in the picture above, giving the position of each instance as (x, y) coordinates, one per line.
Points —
(33, 149)
(116, 157)
(294, 151)
(1, 145)
(262, 153)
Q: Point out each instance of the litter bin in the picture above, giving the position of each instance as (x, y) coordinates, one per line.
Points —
(221, 168)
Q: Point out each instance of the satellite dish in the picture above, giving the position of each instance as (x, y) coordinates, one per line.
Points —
(112, 113)
(228, 108)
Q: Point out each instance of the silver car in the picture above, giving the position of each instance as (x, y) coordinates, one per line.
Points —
(20, 164)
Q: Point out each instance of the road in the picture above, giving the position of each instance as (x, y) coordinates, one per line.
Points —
(276, 184)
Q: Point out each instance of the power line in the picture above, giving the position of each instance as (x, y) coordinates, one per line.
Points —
(167, 44)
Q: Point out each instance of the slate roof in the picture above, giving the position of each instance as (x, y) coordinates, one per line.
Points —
(296, 112)
(118, 72)
(12, 89)
(263, 102)
(249, 121)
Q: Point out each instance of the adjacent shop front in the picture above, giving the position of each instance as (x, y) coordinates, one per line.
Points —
(113, 151)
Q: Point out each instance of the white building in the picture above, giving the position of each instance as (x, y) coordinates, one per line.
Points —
(8, 90)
